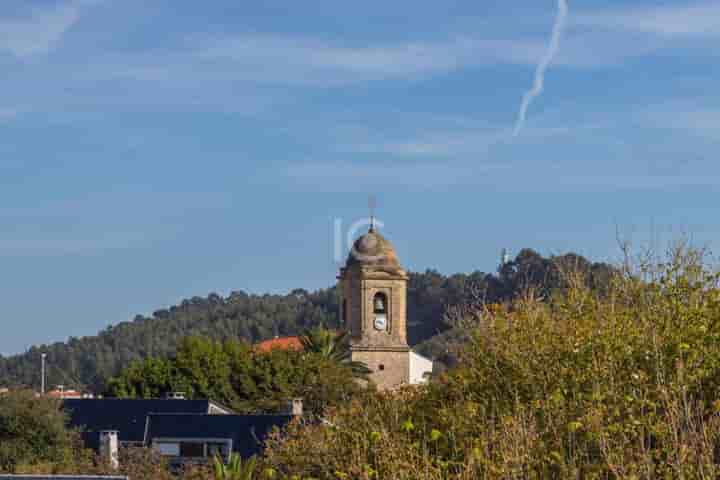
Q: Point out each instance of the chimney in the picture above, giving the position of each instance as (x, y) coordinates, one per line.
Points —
(109, 448)
(296, 407)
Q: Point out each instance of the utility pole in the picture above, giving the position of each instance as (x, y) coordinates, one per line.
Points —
(42, 373)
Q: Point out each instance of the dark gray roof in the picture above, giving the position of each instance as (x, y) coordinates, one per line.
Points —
(248, 432)
(127, 416)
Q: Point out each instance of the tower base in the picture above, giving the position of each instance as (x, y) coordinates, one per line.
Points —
(390, 367)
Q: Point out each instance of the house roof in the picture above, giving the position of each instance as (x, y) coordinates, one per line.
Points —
(413, 352)
(248, 432)
(64, 394)
(280, 343)
(127, 416)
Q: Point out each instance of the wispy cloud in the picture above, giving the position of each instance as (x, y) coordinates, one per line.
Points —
(313, 60)
(636, 182)
(238, 72)
(344, 176)
(443, 143)
(39, 31)
(459, 142)
(686, 116)
(8, 113)
(230, 73)
(699, 19)
(51, 247)
(305, 60)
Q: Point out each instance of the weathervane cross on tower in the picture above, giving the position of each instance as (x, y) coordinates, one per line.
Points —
(372, 203)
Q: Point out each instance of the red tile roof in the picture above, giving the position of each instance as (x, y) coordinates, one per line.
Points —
(64, 394)
(280, 343)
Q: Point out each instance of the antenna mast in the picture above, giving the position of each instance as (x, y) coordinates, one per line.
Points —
(372, 204)
(42, 373)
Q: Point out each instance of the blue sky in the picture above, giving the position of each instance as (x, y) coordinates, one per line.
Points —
(154, 150)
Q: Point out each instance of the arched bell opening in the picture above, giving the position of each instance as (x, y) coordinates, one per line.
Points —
(380, 309)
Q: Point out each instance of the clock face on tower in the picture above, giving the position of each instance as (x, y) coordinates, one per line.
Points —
(380, 322)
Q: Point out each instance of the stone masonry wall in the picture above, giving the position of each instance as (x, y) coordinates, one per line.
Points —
(395, 367)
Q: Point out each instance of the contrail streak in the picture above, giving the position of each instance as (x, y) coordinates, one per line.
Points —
(545, 61)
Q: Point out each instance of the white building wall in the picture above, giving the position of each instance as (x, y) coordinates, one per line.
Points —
(420, 368)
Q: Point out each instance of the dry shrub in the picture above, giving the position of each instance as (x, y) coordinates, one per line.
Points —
(136, 463)
(619, 384)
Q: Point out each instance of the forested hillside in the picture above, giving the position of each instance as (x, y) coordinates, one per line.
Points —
(89, 361)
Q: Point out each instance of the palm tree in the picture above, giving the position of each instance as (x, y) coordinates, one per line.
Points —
(333, 346)
(235, 469)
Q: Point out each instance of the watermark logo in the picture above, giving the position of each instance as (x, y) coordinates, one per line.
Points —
(344, 240)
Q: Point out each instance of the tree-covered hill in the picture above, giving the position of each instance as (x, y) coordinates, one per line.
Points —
(89, 361)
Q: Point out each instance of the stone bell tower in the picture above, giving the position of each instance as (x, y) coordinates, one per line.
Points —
(373, 289)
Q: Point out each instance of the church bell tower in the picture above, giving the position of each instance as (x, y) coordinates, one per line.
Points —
(373, 288)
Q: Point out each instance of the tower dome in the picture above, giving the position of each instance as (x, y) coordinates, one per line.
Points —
(372, 249)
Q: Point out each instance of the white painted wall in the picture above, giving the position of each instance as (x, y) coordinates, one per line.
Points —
(419, 367)
(109, 448)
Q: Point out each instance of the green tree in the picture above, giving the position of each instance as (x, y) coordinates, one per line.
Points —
(150, 378)
(33, 431)
(234, 374)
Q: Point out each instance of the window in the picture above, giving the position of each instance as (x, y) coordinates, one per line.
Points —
(380, 303)
(192, 449)
(343, 312)
(381, 367)
(171, 449)
(195, 448)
